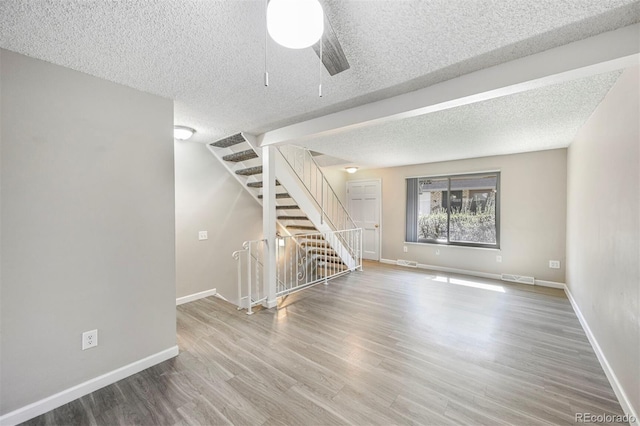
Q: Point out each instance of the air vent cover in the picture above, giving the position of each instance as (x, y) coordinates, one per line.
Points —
(518, 279)
(409, 263)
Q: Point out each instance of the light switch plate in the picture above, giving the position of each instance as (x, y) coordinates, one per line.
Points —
(202, 235)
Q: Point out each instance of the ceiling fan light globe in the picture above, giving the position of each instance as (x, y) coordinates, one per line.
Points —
(295, 24)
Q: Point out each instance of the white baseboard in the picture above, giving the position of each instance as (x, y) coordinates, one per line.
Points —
(552, 284)
(54, 401)
(460, 271)
(219, 296)
(623, 399)
(195, 296)
(451, 270)
(498, 277)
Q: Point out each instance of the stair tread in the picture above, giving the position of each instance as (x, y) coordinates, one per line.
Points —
(330, 255)
(293, 218)
(315, 243)
(259, 184)
(229, 141)
(284, 195)
(287, 207)
(241, 156)
(338, 265)
(250, 171)
(322, 251)
(301, 227)
(337, 261)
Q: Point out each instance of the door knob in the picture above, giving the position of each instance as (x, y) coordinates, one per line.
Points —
(377, 225)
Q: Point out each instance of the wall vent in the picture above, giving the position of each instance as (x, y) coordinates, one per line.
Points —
(518, 279)
(409, 263)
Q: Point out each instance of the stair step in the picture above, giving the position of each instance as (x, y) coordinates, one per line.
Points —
(332, 260)
(259, 184)
(322, 251)
(293, 218)
(287, 208)
(250, 171)
(236, 157)
(310, 228)
(321, 271)
(319, 248)
(229, 141)
(284, 195)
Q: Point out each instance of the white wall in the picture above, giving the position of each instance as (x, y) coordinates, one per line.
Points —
(208, 198)
(532, 215)
(87, 226)
(603, 229)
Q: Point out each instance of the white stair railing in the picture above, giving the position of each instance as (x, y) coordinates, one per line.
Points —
(250, 265)
(302, 261)
(314, 180)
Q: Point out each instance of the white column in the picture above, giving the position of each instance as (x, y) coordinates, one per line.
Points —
(269, 222)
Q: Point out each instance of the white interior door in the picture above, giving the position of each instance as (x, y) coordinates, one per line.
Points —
(364, 201)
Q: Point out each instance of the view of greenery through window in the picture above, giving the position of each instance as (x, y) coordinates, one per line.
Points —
(465, 215)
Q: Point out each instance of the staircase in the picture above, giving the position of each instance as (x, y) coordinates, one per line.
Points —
(308, 215)
(241, 159)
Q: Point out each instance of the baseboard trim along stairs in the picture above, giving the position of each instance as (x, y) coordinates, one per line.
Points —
(54, 401)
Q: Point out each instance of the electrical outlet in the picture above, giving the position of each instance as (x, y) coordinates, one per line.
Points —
(89, 339)
(406, 249)
(554, 264)
(499, 259)
(202, 235)
(437, 252)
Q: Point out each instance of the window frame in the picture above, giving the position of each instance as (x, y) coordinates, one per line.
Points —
(449, 177)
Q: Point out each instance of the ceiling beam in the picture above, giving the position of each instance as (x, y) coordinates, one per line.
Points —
(594, 55)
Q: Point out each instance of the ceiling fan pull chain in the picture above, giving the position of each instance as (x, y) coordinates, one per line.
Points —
(320, 85)
(266, 41)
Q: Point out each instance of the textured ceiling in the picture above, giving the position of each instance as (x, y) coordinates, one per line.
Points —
(539, 119)
(209, 55)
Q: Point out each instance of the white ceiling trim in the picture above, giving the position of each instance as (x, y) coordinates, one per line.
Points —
(605, 52)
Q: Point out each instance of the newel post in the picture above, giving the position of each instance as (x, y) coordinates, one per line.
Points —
(269, 222)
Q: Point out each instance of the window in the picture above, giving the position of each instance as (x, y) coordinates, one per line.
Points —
(455, 210)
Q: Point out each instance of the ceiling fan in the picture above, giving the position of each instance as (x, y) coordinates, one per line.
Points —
(298, 24)
(333, 57)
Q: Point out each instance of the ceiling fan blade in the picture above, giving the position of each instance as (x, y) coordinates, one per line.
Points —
(333, 57)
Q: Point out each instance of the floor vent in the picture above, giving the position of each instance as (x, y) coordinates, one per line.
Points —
(518, 279)
(409, 263)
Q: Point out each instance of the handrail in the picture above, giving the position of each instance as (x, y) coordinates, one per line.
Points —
(353, 222)
(307, 156)
(302, 261)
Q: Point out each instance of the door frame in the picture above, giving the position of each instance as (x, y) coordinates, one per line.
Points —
(379, 181)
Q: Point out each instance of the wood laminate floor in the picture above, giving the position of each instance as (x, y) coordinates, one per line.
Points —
(389, 345)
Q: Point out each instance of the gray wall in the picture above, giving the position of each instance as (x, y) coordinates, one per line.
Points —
(208, 198)
(337, 178)
(533, 215)
(603, 229)
(87, 225)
